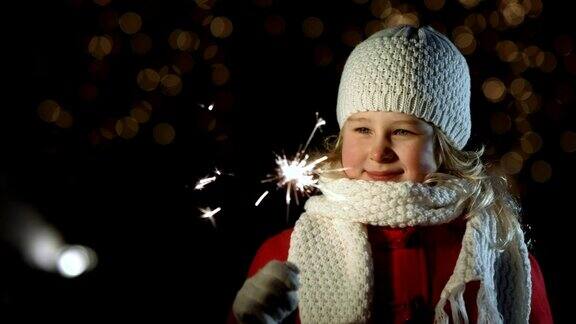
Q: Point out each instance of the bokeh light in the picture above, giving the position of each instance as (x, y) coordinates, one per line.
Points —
(475, 22)
(210, 52)
(205, 4)
(49, 111)
(351, 37)
(549, 63)
(127, 127)
(513, 13)
(141, 43)
(108, 129)
(381, 8)
(541, 171)
(171, 84)
(464, 39)
(65, 119)
(75, 260)
(521, 89)
(434, 5)
(102, 2)
(220, 74)
(511, 162)
(141, 111)
(507, 51)
(130, 23)
(531, 142)
(100, 46)
(568, 141)
(469, 4)
(494, 89)
(312, 27)
(184, 62)
(164, 133)
(221, 27)
(148, 79)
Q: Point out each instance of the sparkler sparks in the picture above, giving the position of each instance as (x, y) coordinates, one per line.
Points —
(203, 182)
(206, 180)
(261, 197)
(297, 175)
(209, 107)
(209, 213)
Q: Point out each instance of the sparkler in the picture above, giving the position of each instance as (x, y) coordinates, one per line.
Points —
(298, 175)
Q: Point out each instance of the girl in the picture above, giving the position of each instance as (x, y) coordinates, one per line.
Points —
(414, 230)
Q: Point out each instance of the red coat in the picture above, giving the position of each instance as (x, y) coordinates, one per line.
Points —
(411, 267)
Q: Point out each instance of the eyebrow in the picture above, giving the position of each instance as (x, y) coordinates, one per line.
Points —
(410, 122)
(355, 119)
(364, 119)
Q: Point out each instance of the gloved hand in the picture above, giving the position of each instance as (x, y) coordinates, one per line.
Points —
(269, 296)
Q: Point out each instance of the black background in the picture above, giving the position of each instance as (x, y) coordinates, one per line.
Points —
(133, 201)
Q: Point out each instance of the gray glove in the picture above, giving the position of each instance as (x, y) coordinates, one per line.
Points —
(269, 296)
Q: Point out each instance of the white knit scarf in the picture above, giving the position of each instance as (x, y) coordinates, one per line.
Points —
(330, 246)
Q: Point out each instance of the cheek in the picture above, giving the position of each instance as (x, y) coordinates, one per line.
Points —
(422, 159)
(429, 159)
(418, 161)
(352, 157)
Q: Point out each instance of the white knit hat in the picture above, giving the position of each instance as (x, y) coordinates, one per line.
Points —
(415, 71)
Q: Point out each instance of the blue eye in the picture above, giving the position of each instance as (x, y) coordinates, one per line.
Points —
(362, 130)
(401, 132)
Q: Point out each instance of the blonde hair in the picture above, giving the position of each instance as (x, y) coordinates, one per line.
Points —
(490, 192)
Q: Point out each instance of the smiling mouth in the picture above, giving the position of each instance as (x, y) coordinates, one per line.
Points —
(383, 176)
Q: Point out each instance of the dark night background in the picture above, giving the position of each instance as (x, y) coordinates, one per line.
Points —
(132, 199)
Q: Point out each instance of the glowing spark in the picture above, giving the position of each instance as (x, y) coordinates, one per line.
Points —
(203, 182)
(319, 122)
(210, 107)
(219, 172)
(298, 175)
(208, 213)
(261, 197)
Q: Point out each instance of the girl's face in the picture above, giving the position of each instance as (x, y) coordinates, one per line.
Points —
(387, 146)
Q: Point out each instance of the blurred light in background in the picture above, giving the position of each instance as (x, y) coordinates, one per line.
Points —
(541, 171)
(164, 133)
(75, 260)
(494, 89)
(130, 23)
(312, 27)
(49, 111)
(148, 79)
(100, 46)
(141, 43)
(41, 244)
(221, 27)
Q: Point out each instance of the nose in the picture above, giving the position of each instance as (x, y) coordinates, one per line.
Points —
(382, 152)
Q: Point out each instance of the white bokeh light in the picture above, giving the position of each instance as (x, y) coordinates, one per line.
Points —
(75, 260)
